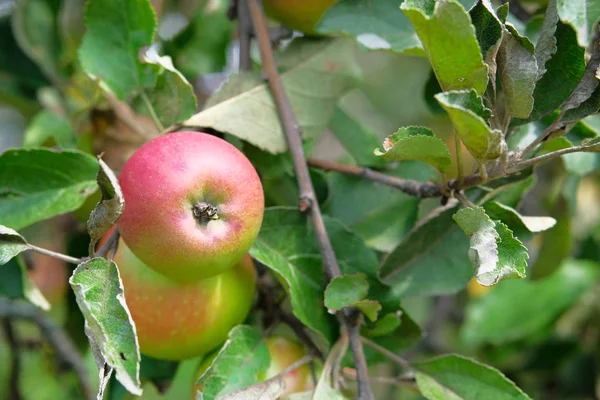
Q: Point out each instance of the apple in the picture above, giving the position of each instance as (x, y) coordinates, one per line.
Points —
(300, 15)
(193, 205)
(176, 321)
(284, 352)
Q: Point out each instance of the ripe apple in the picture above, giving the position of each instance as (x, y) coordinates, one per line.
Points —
(175, 320)
(300, 15)
(193, 205)
(284, 352)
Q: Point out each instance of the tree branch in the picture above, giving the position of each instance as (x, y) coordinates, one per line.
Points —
(408, 186)
(56, 337)
(244, 34)
(308, 199)
(548, 156)
(392, 356)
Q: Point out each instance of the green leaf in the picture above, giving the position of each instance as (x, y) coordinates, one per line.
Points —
(494, 252)
(116, 33)
(15, 283)
(287, 244)
(518, 223)
(515, 310)
(99, 293)
(564, 72)
(34, 28)
(11, 244)
(365, 206)
(430, 260)
(586, 88)
(358, 140)
(316, 75)
(488, 30)
(385, 325)
(377, 25)
(416, 143)
(468, 114)
(241, 360)
(36, 184)
(351, 291)
(449, 39)
(518, 71)
(455, 377)
(172, 98)
(46, 125)
(581, 15)
(109, 209)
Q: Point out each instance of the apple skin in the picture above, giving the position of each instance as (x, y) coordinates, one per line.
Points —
(176, 321)
(164, 180)
(300, 15)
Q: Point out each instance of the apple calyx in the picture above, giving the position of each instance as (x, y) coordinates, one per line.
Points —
(205, 212)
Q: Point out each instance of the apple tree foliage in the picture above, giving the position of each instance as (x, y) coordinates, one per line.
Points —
(487, 289)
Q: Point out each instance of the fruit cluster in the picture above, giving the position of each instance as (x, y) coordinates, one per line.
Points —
(193, 206)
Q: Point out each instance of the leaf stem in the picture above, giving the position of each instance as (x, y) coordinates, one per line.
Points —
(151, 110)
(308, 199)
(54, 254)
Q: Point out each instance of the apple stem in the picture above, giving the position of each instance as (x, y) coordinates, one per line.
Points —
(204, 212)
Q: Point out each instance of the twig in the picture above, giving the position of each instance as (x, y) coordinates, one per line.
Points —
(463, 199)
(57, 338)
(308, 199)
(402, 381)
(110, 244)
(304, 360)
(15, 359)
(408, 186)
(556, 125)
(394, 357)
(548, 156)
(245, 34)
(54, 254)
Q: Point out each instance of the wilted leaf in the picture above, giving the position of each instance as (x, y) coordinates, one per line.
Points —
(585, 89)
(36, 184)
(416, 143)
(109, 209)
(316, 74)
(460, 378)
(11, 244)
(46, 125)
(494, 252)
(518, 72)
(449, 39)
(430, 260)
(545, 47)
(99, 293)
(515, 310)
(241, 360)
(116, 32)
(377, 25)
(468, 114)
